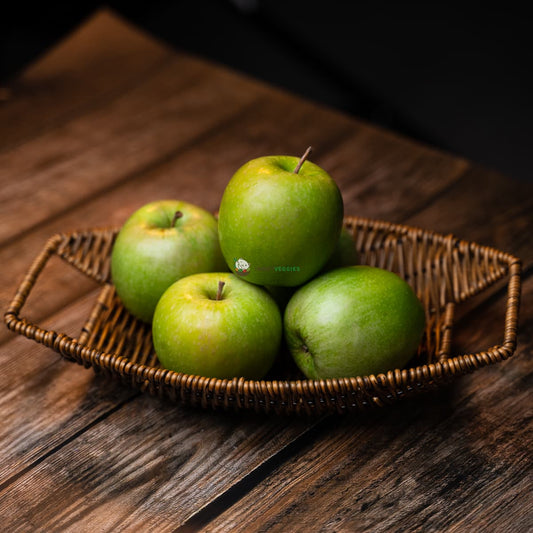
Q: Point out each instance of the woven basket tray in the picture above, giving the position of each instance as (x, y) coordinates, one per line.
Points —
(441, 269)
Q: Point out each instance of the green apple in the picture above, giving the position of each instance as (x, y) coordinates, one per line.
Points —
(217, 325)
(344, 254)
(160, 243)
(279, 220)
(353, 321)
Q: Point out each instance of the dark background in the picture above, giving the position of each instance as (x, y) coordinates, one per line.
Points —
(453, 77)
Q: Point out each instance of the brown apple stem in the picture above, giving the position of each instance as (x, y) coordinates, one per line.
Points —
(302, 160)
(219, 292)
(177, 215)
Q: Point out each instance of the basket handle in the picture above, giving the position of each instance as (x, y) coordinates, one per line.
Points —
(513, 305)
(20, 325)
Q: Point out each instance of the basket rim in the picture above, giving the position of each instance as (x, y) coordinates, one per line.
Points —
(438, 368)
(396, 381)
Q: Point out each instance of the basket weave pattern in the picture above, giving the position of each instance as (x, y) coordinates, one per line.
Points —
(441, 269)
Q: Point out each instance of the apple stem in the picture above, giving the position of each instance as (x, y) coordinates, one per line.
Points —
(220, 287)
(177, 215)
(302, 160)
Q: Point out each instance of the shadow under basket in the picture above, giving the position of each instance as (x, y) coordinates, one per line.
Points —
(441, 269)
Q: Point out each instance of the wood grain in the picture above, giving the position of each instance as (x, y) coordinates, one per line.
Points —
(487, 208)
(161, 464)
(383, 176)
(88, 155)
(44, 400)
(457, 461)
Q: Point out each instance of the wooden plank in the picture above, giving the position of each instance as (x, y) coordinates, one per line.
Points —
(459, 460)
(100, 59)
(384, 176)
(93, 153)
(487, 208)
(155, 479)
(45, 400)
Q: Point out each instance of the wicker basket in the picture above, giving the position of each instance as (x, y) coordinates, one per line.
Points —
(441, 269)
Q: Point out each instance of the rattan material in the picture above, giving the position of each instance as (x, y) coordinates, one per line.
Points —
(442, 269)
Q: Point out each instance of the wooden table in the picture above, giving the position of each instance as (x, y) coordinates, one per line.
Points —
(111, 119)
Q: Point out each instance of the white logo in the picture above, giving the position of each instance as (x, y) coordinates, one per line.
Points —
(242, 266)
